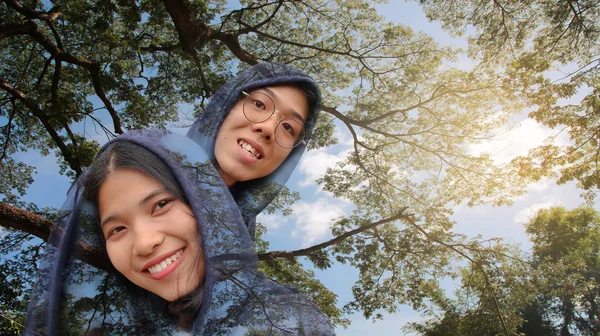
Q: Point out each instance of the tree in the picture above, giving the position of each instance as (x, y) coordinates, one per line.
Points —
(527, 40)
(555, 292)
(567, 251)
(477, 310)
(72, 70)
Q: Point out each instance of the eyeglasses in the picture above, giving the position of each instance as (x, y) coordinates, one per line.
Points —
(259, 107)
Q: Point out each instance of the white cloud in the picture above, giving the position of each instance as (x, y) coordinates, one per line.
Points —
(343, 136)
(272, 222)
(518, 140)
(314, 220)
(540, 186)
(536, 190)
(314, 164)
(527, 213)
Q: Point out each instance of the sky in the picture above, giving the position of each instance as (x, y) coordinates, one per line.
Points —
(313, 214)
(317, 208)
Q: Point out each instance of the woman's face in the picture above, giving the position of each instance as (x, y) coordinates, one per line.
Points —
(151, 237)
(240, 141)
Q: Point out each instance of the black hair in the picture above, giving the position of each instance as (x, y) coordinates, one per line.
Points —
(125, 154)
(122, 155)
(311, 96)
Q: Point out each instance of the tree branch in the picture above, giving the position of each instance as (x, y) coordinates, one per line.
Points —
(31, 29)
(7, 134)
(43, 118)
(191, 31)
(50, 16)
(309, 250)
(41, 227)
(195, 33)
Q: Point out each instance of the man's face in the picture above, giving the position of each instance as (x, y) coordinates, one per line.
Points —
(247, 150)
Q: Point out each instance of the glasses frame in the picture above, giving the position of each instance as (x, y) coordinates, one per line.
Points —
(303, 142)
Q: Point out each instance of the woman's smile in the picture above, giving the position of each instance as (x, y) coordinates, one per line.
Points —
(165, 266)
(150, 234)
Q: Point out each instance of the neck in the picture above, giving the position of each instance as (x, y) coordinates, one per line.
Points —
(229, 181)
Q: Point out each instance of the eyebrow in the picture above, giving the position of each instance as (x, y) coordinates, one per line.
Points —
(141, 203)
(294, 113)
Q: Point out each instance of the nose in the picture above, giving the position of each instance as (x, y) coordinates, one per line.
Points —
(146, 239)
(267, 127)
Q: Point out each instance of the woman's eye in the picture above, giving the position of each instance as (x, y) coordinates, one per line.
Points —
(161, 204)
(114, 231)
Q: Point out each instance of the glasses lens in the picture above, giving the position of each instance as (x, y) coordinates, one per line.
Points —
(258, 107)
(289, 133)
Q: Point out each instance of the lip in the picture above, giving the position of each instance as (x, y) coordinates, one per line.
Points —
(162, 257)
(256, 146)
(164, 273)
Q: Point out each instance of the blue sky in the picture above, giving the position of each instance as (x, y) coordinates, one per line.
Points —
(312, 216)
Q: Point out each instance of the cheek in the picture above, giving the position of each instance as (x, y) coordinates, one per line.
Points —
(190, 229)
(222, 136)
(117, 256)
(279, 158)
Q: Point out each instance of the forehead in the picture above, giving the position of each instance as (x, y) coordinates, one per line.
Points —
(125, 185)
(289, 99)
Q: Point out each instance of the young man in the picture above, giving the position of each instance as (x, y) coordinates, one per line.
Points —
(256, 127)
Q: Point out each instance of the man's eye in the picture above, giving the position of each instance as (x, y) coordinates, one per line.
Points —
(260, 105)
(288, 128)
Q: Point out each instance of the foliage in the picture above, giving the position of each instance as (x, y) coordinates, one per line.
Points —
(75, 72)
(18, 271)
(494, 287)
(555, 292)
(567, 252)
(290, 271)
(529, 40)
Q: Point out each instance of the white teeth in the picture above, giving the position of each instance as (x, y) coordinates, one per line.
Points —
(163, 264)
(248, 148)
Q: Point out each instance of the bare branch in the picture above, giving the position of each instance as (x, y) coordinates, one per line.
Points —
(55, 80)
(7, 134)
(474, 262)
(40, 227)
(334, 241)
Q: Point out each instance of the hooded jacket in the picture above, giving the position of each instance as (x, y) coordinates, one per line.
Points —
(253, 196)
(79, 294)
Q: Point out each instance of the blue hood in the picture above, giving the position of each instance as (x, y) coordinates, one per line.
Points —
(253, 196)
(73, 296)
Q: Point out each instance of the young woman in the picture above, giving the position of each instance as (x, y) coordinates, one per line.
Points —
(179, 258)
(255, 129)
(242, 150)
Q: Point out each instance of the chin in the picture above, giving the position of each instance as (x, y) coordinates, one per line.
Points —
(171, 297)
